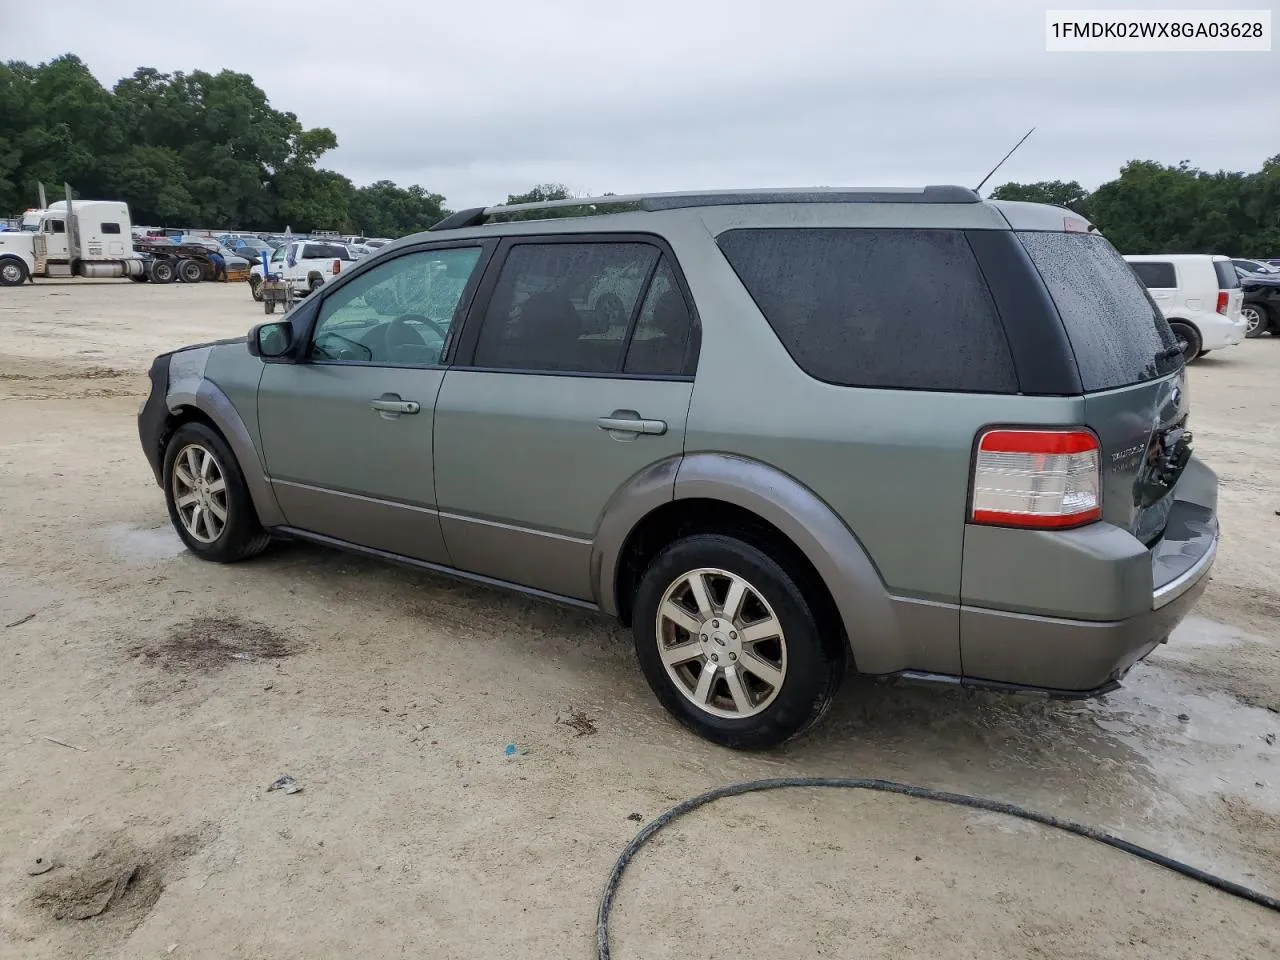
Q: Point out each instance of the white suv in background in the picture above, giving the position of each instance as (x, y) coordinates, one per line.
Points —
(1199, 295)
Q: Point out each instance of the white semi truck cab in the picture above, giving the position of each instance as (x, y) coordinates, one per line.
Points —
(88, 238)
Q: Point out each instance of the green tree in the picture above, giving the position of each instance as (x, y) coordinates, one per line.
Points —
(1070, 195)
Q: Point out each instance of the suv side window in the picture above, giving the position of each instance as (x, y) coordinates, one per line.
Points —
(564, 307)
(849, 314)
(400, 312)
(663, 341)
(1156, 276)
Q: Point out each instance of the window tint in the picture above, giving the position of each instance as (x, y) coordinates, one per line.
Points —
(1157, 276)
(662, 340)
(1228, 279)
(325, 251)
(111, 228)
(849, 313)
(563, 306)
(399, 312)
(1116, 330)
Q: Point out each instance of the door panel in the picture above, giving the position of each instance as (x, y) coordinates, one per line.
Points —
(524, 470)
(344, 469)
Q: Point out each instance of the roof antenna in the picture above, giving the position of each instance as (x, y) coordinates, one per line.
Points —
(979, 187)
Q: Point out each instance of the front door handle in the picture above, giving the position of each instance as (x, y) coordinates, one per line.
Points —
(390, 406)
(624, 424)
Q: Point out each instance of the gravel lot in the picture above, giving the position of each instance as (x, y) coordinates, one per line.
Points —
(147, 701)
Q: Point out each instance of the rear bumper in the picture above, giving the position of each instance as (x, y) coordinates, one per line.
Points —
(1217, 331)
(1088, 653)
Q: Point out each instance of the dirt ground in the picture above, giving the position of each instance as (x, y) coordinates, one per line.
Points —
(148, 700)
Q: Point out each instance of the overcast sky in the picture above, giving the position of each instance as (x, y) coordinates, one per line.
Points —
(479, 100)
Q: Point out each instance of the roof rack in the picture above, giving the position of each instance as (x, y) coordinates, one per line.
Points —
(476, 216)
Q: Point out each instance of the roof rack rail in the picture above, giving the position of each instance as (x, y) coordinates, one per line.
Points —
(946, 193)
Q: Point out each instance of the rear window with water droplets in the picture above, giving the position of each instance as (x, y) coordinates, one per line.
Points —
(1116, 330)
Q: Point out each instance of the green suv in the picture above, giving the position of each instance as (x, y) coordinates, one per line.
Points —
(776, 433)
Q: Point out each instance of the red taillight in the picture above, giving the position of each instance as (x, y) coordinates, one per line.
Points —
(337, 267)
(1042, 479)
(1223, 297)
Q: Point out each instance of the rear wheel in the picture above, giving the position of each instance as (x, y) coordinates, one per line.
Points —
(209, 504)
(314, 284)
(162, 272)
(1255, 319)
(190, 271)
(731, 645)
(1188, 339)
(13, 273)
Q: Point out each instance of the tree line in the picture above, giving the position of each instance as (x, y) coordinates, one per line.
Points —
(185, 149)
(1154, 208)
(209, 149)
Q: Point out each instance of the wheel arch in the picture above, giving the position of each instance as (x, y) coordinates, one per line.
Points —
(29, 265)
(202, 401)
(711, 491)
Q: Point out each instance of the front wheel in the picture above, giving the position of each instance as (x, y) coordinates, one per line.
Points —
(162, 272)
(731, 645)
(13, 273)
(1188, 340)
(209, 503)
(1256, 321)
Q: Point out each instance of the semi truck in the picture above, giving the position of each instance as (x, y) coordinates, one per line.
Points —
(82, 238)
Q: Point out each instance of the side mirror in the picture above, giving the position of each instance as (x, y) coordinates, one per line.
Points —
(271, 339)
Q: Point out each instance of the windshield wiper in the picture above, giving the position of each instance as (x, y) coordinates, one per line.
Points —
(1168, 353)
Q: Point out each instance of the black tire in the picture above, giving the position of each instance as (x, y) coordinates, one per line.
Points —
(241, 536)
(255, 287)
(814, 660)
(162, 271)
(1189, 337)
(138, 278)
(269, 306)
(1263, 323)
(314, 284)
(13, 272)
(190, 271)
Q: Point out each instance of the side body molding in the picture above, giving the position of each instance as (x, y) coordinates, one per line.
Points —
(887, 634)
(189, 388)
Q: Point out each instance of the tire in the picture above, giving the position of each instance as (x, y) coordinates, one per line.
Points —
(1257, 321)
(1190, 338)
(13, 273)
(255, 287)
(808, 663)
(314, 284)
(269, 306)
(190, 271)
(139, 278)
(162, 272)
(237, 537)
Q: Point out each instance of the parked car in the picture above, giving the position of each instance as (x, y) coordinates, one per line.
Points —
(234, 262)
(251, 248)
(1243, 266)
(1261, 307)
(360, 250)
(989, 482)
(1199, 295)
(377, 242)
(305, 264)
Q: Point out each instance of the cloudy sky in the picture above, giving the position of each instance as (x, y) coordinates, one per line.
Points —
(483, 99)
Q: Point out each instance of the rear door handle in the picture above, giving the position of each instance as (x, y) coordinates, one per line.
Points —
(386, 405)
(632, 425)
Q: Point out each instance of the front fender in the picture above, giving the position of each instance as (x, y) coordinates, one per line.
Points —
(188, 387)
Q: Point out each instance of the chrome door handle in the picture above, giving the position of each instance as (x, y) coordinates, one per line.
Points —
(395, 406)
(633, 425)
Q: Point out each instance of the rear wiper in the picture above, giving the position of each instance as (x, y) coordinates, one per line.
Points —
(1168, 353)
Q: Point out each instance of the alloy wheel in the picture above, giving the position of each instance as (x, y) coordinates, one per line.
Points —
(1252, 319)
(721, 643)
(200, 493)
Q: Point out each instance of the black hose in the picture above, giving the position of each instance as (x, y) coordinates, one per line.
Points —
(906, 790)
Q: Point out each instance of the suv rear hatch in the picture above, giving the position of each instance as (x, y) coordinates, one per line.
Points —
(1230, 293)
(1131, 370)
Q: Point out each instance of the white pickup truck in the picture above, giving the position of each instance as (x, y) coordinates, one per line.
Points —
(305, 264)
